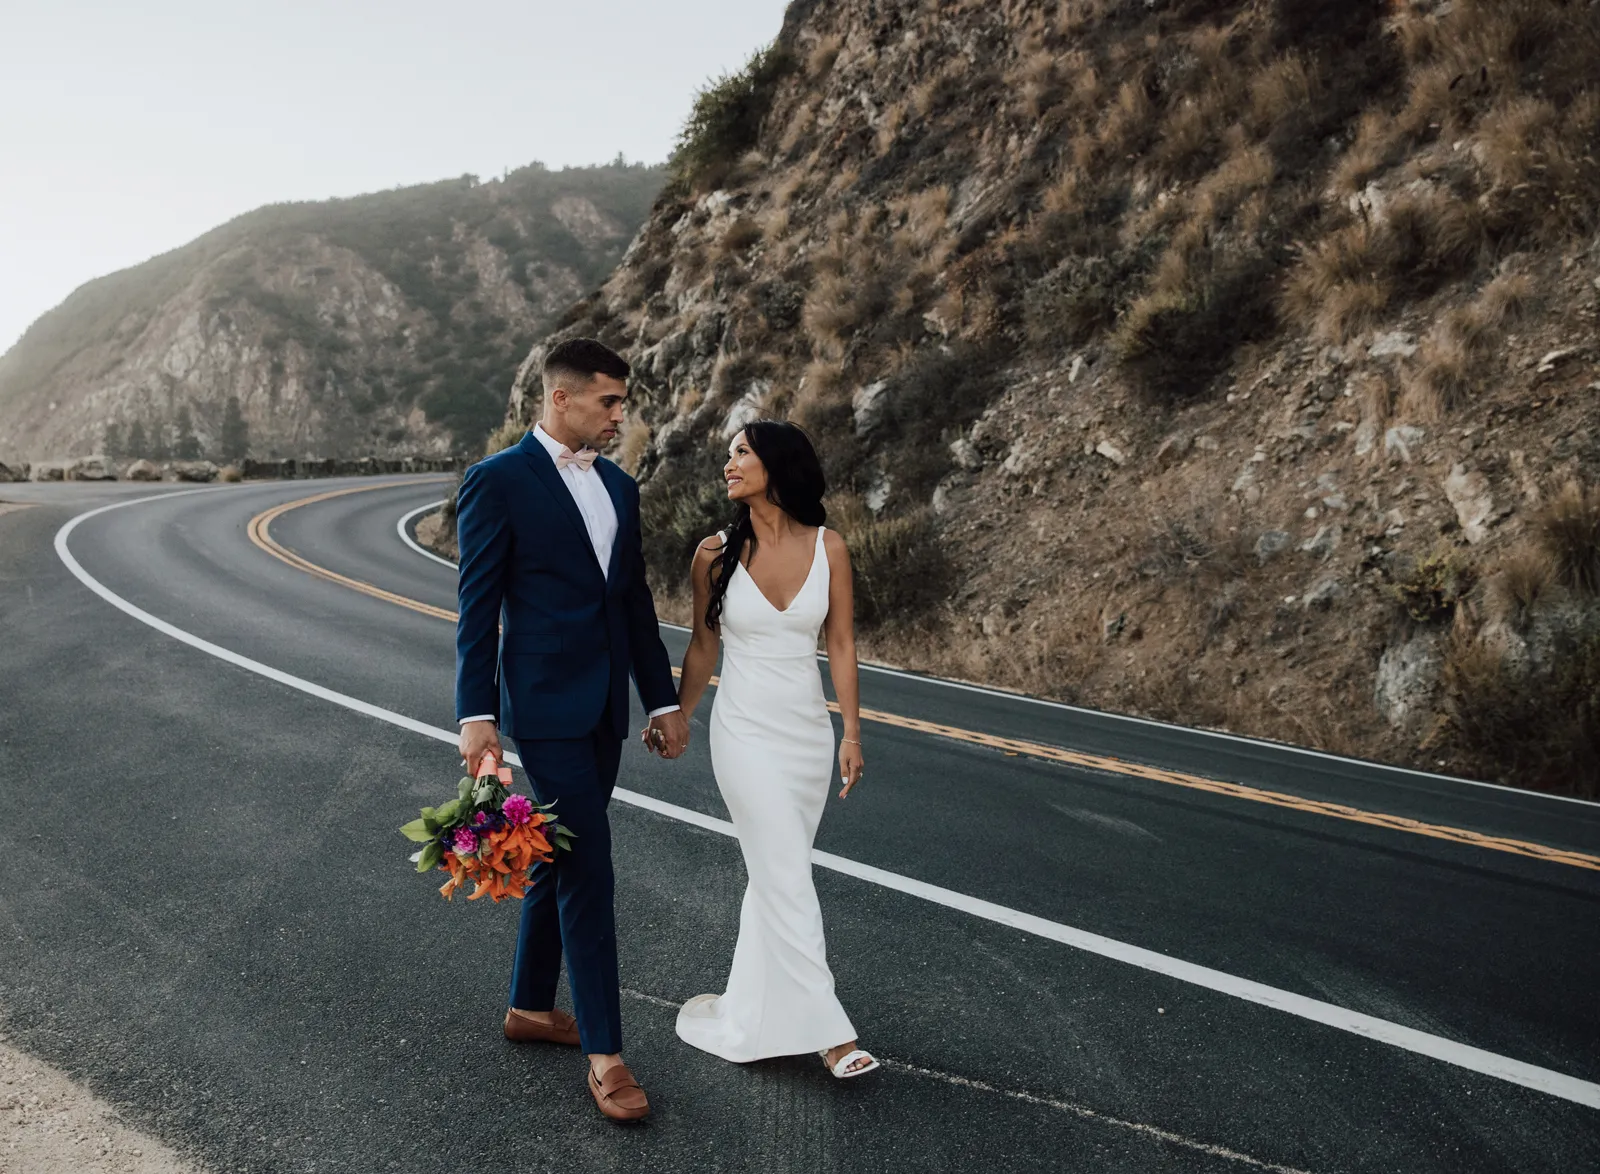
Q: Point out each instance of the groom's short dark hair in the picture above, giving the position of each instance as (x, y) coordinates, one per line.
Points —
(581, 359)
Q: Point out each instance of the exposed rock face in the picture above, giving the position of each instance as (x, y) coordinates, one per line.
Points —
(388, 324)
(1408, 674)
(1002, 261)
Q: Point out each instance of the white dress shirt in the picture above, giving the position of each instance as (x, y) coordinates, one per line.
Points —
(599, 519)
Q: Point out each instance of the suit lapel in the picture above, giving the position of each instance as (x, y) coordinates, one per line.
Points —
(611, 478)
(545, 469)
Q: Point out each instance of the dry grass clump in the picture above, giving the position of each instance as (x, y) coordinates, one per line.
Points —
(1532, 721)
(1457, 356)
(1203, 299)
(939, 92)
(1374, 149)
(799, 125)
(823, 54)
(1345, 282)
(899, 565)
(889, 124)
(506, 436)
(230, 473)
(1183, 549)
(1567, 530)
(833, 310)
(633, 444)
(1528, 709)
(821, 390)
(1521, 582)
(740, 235)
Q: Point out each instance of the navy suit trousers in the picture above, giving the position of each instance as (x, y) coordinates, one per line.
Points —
(569, 908)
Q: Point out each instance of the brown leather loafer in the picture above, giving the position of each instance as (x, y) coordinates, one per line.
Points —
(618, 1094)
(522, 1030)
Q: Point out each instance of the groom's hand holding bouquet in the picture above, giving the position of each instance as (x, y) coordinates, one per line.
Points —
(486, 835)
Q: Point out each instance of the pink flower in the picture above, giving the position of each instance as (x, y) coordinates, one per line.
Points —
(518, 809)
(465, 842)
(481, 818)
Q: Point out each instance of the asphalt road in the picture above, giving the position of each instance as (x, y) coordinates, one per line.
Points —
(208, 916)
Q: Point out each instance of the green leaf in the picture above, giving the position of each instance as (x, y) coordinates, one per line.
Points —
(449, 813)
(430, 823)
(418, 830)
(431, 855)
(463, 788)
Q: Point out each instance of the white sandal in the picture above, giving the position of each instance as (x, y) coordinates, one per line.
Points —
(843, 1070)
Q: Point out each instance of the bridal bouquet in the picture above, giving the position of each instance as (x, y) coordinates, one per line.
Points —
(486, 835)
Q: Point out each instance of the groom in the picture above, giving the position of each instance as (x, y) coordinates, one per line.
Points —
(551, 552)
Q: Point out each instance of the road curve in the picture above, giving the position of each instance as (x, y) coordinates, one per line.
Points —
(262, 915)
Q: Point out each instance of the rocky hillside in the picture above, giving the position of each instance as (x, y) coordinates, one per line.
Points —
(1232, 363)
(388, 324)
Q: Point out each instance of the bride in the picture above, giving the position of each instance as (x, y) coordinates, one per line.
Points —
(766, 587)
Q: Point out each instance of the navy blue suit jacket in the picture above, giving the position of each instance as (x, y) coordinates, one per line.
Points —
(571, 635)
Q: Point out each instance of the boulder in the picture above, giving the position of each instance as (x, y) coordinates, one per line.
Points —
(868, 404)
(1474, 504)
(1408, 673)
(142, 470)
(1272, 543)
(1401, 439)
(193, 471)
(1323, 594)
(1395, 342)
(1323, 542)
(1111, 453)
(966, 454)
(9, 474)
(48, 471)
(95, 468)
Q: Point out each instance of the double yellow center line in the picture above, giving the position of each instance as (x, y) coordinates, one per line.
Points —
(259, 531)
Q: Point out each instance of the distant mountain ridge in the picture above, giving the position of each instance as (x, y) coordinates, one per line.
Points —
(384, 324)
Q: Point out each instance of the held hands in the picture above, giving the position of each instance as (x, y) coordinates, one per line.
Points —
(478, 739)
(850, 766)
(667, 734)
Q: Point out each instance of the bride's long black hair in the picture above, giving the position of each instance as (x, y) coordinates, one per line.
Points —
(795, 484)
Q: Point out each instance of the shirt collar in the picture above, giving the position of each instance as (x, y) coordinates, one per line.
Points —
(551, 444)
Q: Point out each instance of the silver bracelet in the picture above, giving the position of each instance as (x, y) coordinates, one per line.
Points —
(852, 741)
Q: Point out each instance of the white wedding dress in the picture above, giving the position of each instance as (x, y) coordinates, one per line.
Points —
(772, 749)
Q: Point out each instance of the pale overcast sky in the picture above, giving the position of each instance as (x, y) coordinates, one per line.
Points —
(127, 129)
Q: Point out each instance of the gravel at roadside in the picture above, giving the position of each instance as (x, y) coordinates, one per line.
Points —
(51, 1125)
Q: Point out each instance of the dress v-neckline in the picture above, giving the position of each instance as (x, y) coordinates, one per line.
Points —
(801, 590)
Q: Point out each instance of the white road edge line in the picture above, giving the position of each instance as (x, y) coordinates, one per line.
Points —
(1487, 1063)
(405, 534)
(1285, 747)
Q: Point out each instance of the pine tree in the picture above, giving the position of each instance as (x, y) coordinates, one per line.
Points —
(137, 444)
(235, 432)
(185, 446)
(111, 442)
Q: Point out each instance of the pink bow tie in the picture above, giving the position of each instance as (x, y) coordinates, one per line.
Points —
(584, 460)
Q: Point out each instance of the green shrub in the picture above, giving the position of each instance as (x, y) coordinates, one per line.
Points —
(1430, 588)
(685, 502)
(901, 571)
(1531, 723)
(726, 119)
